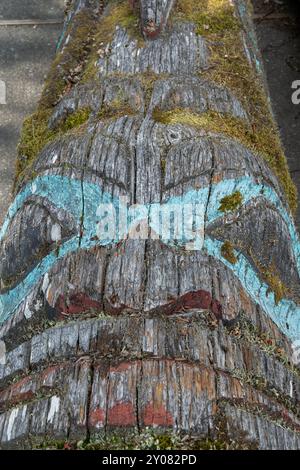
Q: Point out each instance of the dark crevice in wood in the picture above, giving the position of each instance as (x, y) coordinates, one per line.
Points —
(107, 399)
(138, 397)
(89, 399)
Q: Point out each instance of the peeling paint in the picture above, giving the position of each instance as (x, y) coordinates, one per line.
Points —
(27, 312)
(56, 233)
(156, 415)
(121, 414)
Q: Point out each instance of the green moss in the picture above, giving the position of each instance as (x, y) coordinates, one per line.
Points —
(73, 55)
(274, 282)
(34, 136)
(260, 139)
(120, 13)
(120, 106)
(269, 273)
(76, 119)
(127, 440)
(221, 444)
(227, 252)
(245, 330)
(210, 16)
(261, 383)
(278, 417)
(115, 109)
(50, 444)
(147, 439)
(148, 80)
(231, 202)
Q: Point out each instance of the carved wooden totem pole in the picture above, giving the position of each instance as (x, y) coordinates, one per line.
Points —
(109, 328)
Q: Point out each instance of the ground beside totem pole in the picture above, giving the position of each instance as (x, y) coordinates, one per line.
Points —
(28, 50)
(25, 56)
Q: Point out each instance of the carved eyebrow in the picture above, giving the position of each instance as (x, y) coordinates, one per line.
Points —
(35, 230)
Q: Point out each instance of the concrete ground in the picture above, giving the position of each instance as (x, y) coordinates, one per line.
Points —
(27, 52)
(31, 9)
(279, 41)
(25, 56)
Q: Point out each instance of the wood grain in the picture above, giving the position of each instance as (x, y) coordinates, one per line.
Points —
(137, 333)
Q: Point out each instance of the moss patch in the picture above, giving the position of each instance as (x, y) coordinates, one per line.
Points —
(120, 13)
(270, 275)
(76, 119)
(230, 68)
(260, 139)
(147, 439)
(261, 383)
(148, 80)
(274, 282)
(227, 252)
(245, 330)
(36, 135)
(73, 55)
(116, 108)
(231, 202)
(209, 16)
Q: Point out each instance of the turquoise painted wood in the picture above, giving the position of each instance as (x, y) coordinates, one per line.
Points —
(66, 193)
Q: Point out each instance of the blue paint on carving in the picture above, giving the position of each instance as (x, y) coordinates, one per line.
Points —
(285, 314)
(250, 190)
(73, 195)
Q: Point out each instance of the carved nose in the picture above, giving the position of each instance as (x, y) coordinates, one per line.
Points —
(154, 16)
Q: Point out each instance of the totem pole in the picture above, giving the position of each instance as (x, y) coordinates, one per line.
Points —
(115, 315)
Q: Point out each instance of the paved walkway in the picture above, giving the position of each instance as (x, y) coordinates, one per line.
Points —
(27, 52)
(25, 56)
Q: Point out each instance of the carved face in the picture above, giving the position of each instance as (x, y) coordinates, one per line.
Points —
(54, 262)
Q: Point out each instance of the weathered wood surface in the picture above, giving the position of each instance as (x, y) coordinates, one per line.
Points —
(140, 332)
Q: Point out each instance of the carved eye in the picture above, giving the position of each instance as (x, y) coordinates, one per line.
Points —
(33, 233)
(174, 136)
